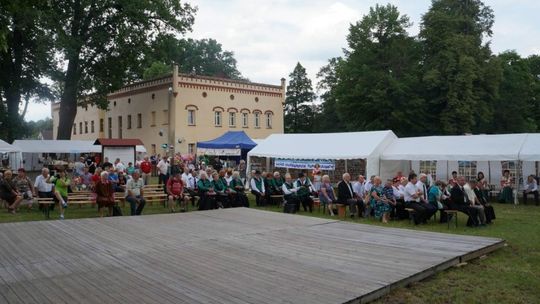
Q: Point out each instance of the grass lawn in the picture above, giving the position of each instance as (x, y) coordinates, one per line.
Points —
(509, 275)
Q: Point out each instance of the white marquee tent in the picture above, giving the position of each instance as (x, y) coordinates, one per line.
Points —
(335, 146)
(531, 148)
(7, 148)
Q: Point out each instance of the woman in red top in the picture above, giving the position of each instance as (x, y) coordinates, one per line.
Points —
(175, 190)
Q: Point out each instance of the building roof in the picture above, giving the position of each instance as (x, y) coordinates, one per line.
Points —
(47, 134)
(56, 146)
(117, 142)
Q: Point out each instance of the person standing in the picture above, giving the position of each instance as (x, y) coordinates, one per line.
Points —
(163, 169)
(135, 194)
(146, 168)
(79, 166)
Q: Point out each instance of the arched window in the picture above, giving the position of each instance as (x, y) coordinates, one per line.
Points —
(268, 117)
(257, 119)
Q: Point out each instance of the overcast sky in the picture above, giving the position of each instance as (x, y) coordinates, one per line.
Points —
(269, 37)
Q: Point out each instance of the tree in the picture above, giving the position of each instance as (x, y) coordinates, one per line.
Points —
(202, 57)
(100, 43)
(534, 67)
(515, 105)
(25, 57)
(460, 75)
(157, 69)
(375, 86)
(299, 108)
(327, 118)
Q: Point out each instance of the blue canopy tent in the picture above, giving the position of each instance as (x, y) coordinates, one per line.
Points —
(231, 143)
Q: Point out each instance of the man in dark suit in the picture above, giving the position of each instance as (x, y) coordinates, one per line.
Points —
(346, 195)
(488, 209)
(459, 201)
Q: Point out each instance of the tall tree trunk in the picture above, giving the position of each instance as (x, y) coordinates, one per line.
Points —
(68, 102)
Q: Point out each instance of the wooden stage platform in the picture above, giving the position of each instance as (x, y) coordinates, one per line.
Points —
(221, 256)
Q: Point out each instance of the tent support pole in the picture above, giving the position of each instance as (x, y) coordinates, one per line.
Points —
(267, 164)
(447, 171)
(518, 166)
(346, 169)
(489, 173)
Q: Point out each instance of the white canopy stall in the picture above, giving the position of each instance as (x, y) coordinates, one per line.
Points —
(488, 151)
(11, 152)
(530, 155)
(331, 146)
(30, 149)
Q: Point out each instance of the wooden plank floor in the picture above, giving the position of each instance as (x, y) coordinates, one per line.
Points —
(221, 256)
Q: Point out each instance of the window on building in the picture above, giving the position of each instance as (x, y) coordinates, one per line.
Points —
(101, 125)
(467, 169)
(245, 120)
(232, 119)
(191, 148)
(165, 117)
(92, 127)
(80, 128)
(429, 167)
(153, 120)
(191, 117)
(139, 120)
(269, 120)
(74, 129)
(86, 127)
(512, 166)
(109, 120)
(153, 149)
(257, 117)
(217, 118)
(119, 126)
(129, 121)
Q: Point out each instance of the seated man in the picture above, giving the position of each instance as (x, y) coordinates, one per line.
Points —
(276, 184)
(290, 195)
(475, 203)
(135, 194)
(488, 208)
(305, 188)
(43, 189)
(411, 195)
(190, 184)
(531, 188)
(346, 196)
(257, 188)
(175, 191)
(113, 178)
(460, 201)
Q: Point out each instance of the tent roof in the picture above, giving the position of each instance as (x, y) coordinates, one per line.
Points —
(531, 148)
(229, 140)
(467, 148)
(5, 147)
(350, 145)
(60, 146)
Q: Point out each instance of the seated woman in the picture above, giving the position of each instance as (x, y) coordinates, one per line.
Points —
(121, 186)
(239, 198)
(61, 183)
(482, 183)
(389, 198)
(436, 197)
(507, 192)
(222, 191)
(381, 206)
(327, 196)
(206, 192)
(24, 187)
(175, 191)
(9, 193)
(104, 194)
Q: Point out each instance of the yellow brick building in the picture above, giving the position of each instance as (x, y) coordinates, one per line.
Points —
(181, 110)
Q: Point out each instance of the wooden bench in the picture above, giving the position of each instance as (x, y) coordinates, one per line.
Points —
(277, 200)
(341, 210)
(454, 213)
(152, 197)
(411, 212)
(47, 202)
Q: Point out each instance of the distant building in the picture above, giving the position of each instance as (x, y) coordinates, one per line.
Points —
(180, 110)
(45, 135)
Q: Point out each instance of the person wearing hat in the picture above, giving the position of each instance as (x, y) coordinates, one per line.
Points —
(305, 188)
(257, 188)
(24, 186)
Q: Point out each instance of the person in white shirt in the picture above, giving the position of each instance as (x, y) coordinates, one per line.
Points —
(189, 185)
(531, 187)
(257, 188)
(369, 184)
(44, 189)
(358, 187)
(468, 188)
(421, 184)
(163, 168)
(79, 166)
(135, 194)
(119, 166)
(412, 199)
